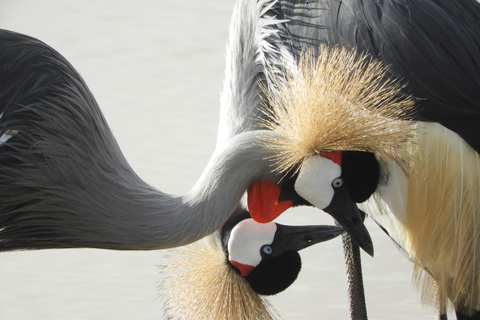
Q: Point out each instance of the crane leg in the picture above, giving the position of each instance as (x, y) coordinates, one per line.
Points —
(356, 293)
(440, 304)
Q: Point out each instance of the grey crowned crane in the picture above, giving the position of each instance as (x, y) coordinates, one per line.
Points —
(397, 33)
(64, 182)
(198, 280)
(427, 198)
(225, 275)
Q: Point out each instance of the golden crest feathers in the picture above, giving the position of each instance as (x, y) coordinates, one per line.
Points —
(197, 283)
(337, 102)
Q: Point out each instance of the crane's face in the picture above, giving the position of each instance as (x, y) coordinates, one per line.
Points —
(334, 182)
(248, 240)
(266, 254)
(318, 179)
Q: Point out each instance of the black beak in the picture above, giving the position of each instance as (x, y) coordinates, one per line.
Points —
(346, 213)
(296, 238)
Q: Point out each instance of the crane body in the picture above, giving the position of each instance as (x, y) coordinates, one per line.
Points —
(431, 48)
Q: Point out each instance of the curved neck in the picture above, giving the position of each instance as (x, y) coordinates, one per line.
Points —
(64, 182)
(104, 204)
(172, 221)
(230, 171)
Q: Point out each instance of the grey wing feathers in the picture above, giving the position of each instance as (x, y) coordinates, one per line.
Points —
(432, 46)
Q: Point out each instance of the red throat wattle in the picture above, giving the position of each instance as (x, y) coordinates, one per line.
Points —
(263, 201)
(244, 269)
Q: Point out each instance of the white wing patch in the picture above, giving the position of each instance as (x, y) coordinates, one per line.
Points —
(7, 134)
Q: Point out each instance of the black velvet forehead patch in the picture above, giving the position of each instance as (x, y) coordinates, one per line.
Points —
(361, 172)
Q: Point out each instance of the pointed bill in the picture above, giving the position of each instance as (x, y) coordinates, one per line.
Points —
(296, 238)
(315, 183)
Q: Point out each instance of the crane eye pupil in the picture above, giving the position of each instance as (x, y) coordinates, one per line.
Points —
(267, 250)
(337, 183)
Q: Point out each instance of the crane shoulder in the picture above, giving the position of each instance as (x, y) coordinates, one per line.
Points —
(431, 46)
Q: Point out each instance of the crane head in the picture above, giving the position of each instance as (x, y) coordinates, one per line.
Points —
(331, 181)
(266, 254)
(334, 113)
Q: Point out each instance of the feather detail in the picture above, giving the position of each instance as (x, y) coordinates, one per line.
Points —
(197, 282)
(443, 227)
(338, 102)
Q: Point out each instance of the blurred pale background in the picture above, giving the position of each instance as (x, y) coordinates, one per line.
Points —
(156, 69)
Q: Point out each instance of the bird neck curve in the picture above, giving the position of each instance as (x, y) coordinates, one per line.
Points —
(94, 199)
(65, 183)
(230, 171)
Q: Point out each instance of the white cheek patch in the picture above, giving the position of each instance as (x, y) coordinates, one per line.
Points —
(247, 238)
(314, 182)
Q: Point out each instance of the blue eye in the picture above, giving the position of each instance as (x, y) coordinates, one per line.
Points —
(267, 250)
(337, 183)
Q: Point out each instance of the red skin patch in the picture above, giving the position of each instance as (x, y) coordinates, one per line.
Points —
(335, 156)
(244, 269)
(263, 202)
(263, 196)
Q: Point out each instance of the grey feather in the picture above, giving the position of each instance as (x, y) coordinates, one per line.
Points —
(64, 181)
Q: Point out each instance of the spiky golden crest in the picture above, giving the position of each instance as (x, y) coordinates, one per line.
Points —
(198, 284)
(338, 102)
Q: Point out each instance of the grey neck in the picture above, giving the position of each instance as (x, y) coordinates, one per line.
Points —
(104, 204)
